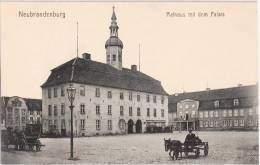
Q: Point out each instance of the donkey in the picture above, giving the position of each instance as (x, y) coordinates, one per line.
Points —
(174, 146)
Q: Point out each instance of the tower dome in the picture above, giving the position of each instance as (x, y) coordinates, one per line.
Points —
(114, 41)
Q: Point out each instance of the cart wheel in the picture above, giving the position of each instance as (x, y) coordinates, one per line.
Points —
(197, 153)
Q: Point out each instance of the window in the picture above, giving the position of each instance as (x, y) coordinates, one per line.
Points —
(63, 126)
(148, 112)
(236, 123)
(187, 106)
(206, 123)
(38, 112)
(121, 111)
(138, 112)
(224, 113)
(109, 124)
(138, 97)
(55, 92)
(114, 57)
(211, 113)
(154, 99)
(162, 100)
(235, 112)
(250, 111)
(62, 91)
(193, 114)
(215, 123)
(241, 123)
(216, 114)
(56, 123)
(55, 110)
(82, 109)
(154, 112)
(82, 123)
(23, 120)
(236, 102)
(201, 123)
(97, 110)
(130, 96)
(230, 123)
(241, 112)
(147, 98)
(109, 94)
(201, 114)
(121, 96)
(122, 124)
(180, 114)
(162, 113)
(97, 124)
(49, 110)
(216, 104)
(130, 111)
(62, 108)
(229, 112)
(49, 93)
(31, 112)
(109, 109)
(31, 119)
(211, 124)
(50, 122)
(250, 122)
(82, 90)
(97, 92)
(206, 114)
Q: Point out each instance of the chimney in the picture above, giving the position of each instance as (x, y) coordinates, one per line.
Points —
(86, 56)
(134, 68)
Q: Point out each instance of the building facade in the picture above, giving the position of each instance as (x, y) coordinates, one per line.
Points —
(109, 99)
(21, 111)
(220, 109)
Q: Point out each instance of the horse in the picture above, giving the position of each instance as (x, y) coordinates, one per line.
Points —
(174, 146)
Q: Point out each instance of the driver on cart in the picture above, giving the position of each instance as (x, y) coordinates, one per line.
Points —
(190, 139)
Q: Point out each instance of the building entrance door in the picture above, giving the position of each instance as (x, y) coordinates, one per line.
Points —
(138, 126)
(130, 125)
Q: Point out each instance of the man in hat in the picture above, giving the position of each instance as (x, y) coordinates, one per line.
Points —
(189, 140)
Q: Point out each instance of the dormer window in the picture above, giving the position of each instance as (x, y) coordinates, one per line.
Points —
(216, 104)
(236, 102)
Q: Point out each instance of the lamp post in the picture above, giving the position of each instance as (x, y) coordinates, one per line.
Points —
(71, 96)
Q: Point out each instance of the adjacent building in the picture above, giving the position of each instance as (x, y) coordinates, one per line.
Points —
(17, 112)
(219, 109)
(109, 98)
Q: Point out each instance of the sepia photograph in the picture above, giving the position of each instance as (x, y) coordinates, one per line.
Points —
(129, 82)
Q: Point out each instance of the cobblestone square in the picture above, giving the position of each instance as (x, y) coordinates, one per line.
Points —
(224, 147)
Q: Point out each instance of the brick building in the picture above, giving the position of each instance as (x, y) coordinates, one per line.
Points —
(219, 109)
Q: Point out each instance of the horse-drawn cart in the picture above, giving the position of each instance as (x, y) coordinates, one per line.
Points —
(175, 148)
(27, 139)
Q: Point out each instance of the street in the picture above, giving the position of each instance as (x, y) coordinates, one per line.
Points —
(224, 147)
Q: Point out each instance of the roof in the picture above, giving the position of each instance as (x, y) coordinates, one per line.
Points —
(97, 73)
(247, 96)
(32, 104)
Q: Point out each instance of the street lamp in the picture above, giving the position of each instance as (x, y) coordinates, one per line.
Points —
(71, 95)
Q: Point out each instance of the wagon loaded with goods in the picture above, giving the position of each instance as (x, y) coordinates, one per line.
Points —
(27, 140)
(196, 147)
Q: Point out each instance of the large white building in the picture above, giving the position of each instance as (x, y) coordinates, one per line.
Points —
(109, 98)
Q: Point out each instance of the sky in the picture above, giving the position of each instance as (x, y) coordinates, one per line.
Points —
(184, 53)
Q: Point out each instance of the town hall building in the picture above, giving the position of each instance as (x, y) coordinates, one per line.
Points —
(109, 99)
